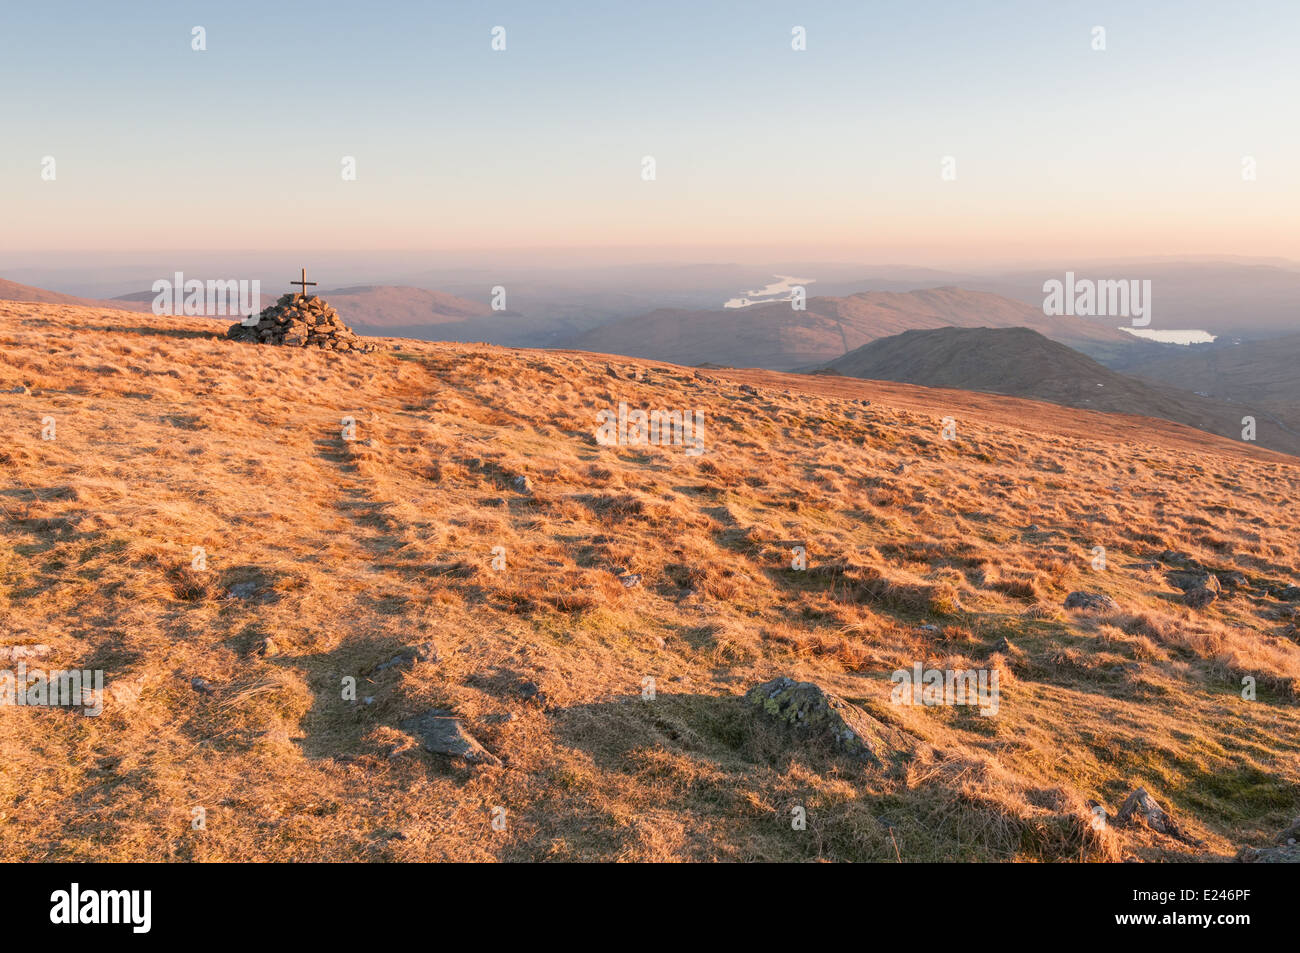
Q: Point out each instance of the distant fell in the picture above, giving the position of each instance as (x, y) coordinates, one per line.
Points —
(1264, 373)
(1020, 362)
(776, 336)
(13, 291)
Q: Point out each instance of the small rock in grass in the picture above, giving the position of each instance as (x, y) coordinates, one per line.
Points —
(1233, 580)
(1140, 808)
(812, 712)
(424, 652)
(530, 693)
(442, 733)
(201, 685)
(1091, 602)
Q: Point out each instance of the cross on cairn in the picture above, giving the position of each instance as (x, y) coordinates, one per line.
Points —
(304, 282)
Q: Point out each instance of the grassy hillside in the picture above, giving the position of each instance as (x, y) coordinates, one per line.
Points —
(1262, 373)
(372, 559)
(1023, 363)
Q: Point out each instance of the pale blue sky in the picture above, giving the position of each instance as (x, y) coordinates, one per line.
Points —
(1136, 149)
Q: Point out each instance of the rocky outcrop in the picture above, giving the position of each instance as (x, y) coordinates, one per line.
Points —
(1199, 588)
(1287, 854)
(1140, 809)
(1200, 584)
(1233, 580)
(813, 713)
(298, 320)
(440, 732)
(1288, 593)
(1091, 602)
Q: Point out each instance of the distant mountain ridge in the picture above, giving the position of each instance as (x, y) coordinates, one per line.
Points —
(13, 291)
(1020, 362)
(777, 337)
(376, 310)
(382, 307)
(1226, 297)
(1265, 373)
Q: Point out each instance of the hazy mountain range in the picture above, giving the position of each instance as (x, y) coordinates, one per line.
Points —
(1021, 362)
(777, 337)
(1059, 359)
(1236, 299)
(1246, 298)
(13, 291)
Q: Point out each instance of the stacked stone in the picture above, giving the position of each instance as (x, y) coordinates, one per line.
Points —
(299, 320)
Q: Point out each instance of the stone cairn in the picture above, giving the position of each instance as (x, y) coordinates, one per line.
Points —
(300, 320)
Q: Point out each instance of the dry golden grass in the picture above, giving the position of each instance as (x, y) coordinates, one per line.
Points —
(346, 553)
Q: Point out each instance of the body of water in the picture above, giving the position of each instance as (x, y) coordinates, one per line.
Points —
(778, 290)
(1172, 337)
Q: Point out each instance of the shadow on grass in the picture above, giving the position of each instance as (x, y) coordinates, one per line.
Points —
(218, 329)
